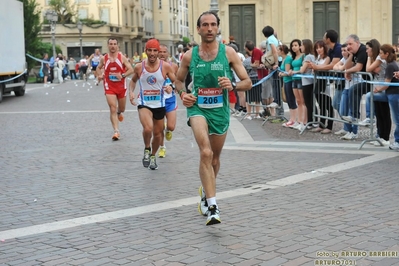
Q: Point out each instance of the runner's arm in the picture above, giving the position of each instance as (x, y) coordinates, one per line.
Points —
(129, 68)
(235, 61)
(89, 61)
(171, 75)
(132, 85)
(182, 72)
(188, 98)
(98, 69)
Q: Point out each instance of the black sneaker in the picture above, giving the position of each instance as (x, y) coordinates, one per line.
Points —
(146, 158)
(213, 215)
(153, 163)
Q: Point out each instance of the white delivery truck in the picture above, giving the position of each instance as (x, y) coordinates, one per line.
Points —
(12, 49)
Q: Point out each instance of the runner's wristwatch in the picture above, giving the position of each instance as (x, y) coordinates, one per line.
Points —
(123, 75)
(234, 85)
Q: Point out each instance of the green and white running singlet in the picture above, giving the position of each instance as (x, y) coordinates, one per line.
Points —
(212, 101)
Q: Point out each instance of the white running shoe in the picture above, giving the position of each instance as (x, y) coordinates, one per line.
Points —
(341, 132)
(394, 146)
(383, 142)
(365, 122)
(213, 215)
(203, 204)
(294, 125)
(350, 136)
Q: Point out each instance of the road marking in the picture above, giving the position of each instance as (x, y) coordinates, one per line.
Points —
(108, 216)
(69, 111)
(239, 132)
(300, 147)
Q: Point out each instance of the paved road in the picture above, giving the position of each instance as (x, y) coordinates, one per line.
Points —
(71, 196)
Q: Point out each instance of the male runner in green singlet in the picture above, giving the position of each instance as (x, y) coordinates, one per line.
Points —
(208, 109)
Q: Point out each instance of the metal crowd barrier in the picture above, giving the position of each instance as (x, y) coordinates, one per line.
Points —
(331, 84)
(253, 97)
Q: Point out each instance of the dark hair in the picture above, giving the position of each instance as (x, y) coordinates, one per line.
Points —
(321, 44)
(232, 45)
(112, 38)
(375, 48)
(299, 44)
(308, 44)
(268, 31)
(208, 13)
(185, 49)
(343, 45)
(250, 45)
(284, 48)
(332, 35)
(387, 48)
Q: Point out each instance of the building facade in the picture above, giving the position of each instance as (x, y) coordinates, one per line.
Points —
(133, 22)
(304, 19)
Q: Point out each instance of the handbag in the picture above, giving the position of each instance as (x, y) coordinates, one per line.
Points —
(268, 58)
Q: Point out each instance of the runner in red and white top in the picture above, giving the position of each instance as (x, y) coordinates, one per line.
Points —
(116, 68)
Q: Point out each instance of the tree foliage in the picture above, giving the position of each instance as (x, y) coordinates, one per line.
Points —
(66, 10)
(186, 40)
(32, 27)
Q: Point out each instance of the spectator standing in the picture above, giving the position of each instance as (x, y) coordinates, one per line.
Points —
(72, 68)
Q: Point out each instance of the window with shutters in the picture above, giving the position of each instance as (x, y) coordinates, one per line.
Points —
(325, 17)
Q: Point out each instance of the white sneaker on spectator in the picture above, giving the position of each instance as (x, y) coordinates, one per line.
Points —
(374, 142)
(272, 105)
(394, 146)
(383, 142)
(346, 135)
(340, 132)
(300, 127)
(294, 125)
(350, 119)
(249, 117)
(347, 117)
(350, 136)
(365, 122)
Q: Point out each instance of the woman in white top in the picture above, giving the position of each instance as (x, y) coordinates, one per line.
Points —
(377, 66)
(322, 96)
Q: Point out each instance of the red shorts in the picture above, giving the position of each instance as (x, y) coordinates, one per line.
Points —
(119, 92)
(232, 97)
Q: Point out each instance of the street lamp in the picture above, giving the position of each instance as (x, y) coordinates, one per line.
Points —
(80, 27)
(214, 6)
(52, 17)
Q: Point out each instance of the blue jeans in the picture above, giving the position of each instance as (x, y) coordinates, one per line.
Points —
(337, 99)
(393, 100)
(345, 109)
(356, 92)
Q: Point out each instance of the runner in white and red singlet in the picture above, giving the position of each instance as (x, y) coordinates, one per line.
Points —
(151, 74)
